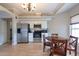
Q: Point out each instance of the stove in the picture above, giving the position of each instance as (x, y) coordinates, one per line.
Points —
(37, 31)
(37, 34)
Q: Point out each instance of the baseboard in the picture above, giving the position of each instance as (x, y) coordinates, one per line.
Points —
(3, 43)
(22, 42)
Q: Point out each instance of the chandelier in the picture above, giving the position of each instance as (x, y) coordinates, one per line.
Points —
(28, 6)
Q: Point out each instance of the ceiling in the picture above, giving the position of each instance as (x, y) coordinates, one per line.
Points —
(4, 14)
(43, 9)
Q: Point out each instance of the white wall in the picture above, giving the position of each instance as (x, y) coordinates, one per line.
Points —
(3, 32)
(59, 24)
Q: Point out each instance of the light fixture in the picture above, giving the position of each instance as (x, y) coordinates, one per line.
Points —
(29, 6)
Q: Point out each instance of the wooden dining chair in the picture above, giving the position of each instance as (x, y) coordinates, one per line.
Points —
(72, 45)
(59, 47)
(45, 42)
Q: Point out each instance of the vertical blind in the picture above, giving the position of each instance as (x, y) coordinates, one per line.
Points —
(75, 19)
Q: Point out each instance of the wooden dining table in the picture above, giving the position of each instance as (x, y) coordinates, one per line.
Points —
(58, 39)
(49, 38)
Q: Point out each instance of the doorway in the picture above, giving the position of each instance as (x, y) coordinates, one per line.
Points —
(9, 30)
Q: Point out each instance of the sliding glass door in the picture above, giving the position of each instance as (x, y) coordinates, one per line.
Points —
(74, 26)
(75, 30)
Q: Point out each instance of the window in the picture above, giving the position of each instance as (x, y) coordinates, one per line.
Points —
(75, 30)
(74, 26)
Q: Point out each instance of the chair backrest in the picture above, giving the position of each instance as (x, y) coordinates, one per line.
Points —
(73, 42)
(59, 47)
(44, 39)
(54, 35)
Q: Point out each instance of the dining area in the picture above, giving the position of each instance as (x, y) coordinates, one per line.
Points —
(60, 46)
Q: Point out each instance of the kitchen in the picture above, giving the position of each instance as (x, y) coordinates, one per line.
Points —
(34, 30)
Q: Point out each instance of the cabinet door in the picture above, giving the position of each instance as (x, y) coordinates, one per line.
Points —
(30, 37)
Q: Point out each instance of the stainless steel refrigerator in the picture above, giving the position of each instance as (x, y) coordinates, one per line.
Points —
(23, 35)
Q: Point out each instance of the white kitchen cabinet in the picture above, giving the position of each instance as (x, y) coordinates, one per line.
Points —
(30, 37)
(19, 37)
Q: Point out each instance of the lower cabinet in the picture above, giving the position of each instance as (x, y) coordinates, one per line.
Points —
(30, 37)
